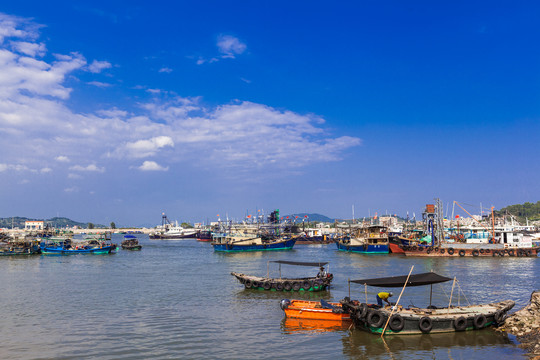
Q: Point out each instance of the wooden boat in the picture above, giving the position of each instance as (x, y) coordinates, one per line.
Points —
(315, 283)
(204, 235)
(365, 240)
(316, 310)
(19, 247)
(130, 242)
(413, 320)
(235, 242)
(99, 244)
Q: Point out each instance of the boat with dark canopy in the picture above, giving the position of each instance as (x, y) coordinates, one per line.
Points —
(319, 282)
(396, 319)
(130, 242)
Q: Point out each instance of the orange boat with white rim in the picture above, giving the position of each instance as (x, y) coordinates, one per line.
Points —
(315, 310)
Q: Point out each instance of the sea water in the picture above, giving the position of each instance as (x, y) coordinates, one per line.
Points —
(176, 299)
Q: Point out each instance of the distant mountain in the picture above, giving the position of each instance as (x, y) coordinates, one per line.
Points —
(312, 217)
(56, 222)
(523, 212)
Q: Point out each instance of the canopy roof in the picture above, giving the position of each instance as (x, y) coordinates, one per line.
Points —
(301, 263)
(399, 281)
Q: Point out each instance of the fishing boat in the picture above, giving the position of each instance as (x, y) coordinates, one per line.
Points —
(170, 231)
(130, 242)
(398, 320)
(330, 313)
(319, 282)
(98, 244)
(204, 235)
(19, 246)
(372, 239)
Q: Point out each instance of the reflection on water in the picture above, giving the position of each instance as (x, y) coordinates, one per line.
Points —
(362, 344)
(290, 325)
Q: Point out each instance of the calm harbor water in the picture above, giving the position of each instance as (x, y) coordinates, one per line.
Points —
(177, 299)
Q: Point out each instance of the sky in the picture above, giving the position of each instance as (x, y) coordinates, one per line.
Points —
(115, 111)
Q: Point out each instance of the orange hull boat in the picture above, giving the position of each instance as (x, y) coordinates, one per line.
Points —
(313, 310)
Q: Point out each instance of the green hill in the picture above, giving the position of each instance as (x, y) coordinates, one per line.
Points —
(56, 222)
(522, 212)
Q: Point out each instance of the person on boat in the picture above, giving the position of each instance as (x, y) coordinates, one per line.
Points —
(383, 296)
(322, 273)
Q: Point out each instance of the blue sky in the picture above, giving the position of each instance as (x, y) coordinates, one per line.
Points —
(118, 111)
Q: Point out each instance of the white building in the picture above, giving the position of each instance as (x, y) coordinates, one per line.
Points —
(33, 225)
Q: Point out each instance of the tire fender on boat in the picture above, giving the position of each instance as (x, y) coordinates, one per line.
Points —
(287, 286)
(279, 286)
(450, 251)
(248, 284)
(363, 310)
(296, 286)
(306, 285)
(267, 285)
(375, 318)
(461, 252)
(396, 323)
(460, 323)
(475, 253)
(425, 324)
(511, 252)
(479, 321)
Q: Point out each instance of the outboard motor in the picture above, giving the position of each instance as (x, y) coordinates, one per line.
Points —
(284, 304)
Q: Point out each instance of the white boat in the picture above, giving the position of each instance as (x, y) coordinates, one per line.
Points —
(169, 231)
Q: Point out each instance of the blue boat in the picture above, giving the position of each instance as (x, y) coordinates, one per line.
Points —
(233, 243)
(372, 239)
(66, 246)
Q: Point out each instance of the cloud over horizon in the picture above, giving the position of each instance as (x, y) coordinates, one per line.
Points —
(37, 122)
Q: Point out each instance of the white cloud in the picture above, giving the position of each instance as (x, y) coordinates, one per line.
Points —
(230, 46)
(165, 70)
(30, 49)
(99, 84)
(45, 170)
(97, 66)
(74, 176)
(37, 124)
(89, 168)
(71, 189)
(62, 158)
(145, 148)
(17, 167)
(152, 166)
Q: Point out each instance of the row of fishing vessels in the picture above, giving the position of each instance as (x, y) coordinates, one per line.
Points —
(65, 245)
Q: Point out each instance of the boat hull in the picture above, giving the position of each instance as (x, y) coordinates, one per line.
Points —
(61, 251)
(312, 284)
(364, 249)
(422, 321)
(312, 310)
(471, 250)
(279, 245)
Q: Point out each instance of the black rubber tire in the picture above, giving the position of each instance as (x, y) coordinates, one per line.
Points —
(396, 323)
(475, 253)
(413, 248)
(296, 286)
(450, 251)
(318, 284)
(482, 251)
(363, 311)
(436, 249)
(428, 251)
(248, 284)
(306, 285)
(511, 252)
(267, 285)
(287, 286)
(529, 252)
(442, 251)
(487, 251)
(501, 253)
(255, 284)
(425, 324)
(494, 253)
(479, 321)
(375, 319)
(420, 248)
(279, 286)
(461, 253)
(460, 324)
